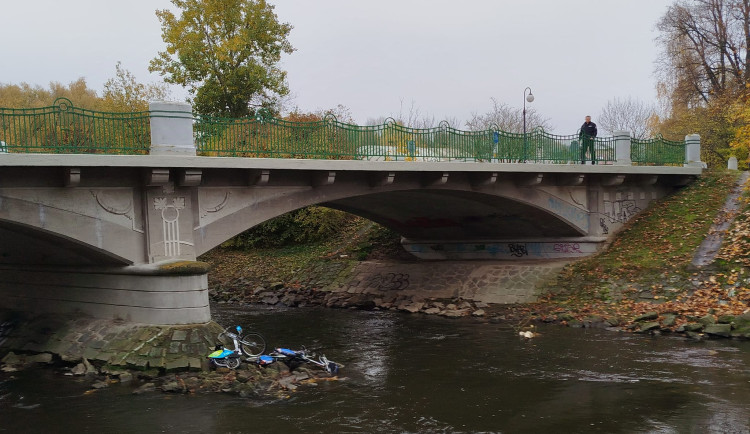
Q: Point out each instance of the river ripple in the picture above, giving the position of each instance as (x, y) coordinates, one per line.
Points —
(416, 373)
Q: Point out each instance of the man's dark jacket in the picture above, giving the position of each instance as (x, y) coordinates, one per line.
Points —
(588, 130)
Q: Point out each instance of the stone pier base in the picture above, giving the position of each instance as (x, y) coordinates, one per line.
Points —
(170, 293)
(115, 343)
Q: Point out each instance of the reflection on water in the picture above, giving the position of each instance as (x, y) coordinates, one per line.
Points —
(414, 373)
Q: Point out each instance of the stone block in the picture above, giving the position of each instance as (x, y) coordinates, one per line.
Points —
(137, 362)
(649, 316)
(178, 364)
(723, 330)
(155, 362)
(648, 326)
(90, 353)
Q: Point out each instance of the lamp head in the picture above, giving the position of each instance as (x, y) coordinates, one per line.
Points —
(530, 97)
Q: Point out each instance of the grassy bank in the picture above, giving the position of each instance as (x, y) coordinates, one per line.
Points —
(647, 269)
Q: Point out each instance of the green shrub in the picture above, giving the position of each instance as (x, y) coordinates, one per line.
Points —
(305, 225)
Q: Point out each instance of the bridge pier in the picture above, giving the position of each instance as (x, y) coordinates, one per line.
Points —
(168, 293)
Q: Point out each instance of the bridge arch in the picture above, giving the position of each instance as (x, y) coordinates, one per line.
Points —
(32, 245)
(450, 212)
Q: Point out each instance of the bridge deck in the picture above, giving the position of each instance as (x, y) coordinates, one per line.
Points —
(196, 162)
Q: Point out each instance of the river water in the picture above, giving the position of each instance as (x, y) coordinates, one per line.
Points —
(417, 373)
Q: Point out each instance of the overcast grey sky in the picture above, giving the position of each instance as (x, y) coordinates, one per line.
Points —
(447, 57)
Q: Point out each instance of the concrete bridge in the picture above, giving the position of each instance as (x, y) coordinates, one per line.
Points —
(117, 236)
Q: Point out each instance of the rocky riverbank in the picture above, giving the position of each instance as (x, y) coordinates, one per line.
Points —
(248, 381)
(168, 359)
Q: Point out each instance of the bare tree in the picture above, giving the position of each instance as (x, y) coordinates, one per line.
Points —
(703, 72)
(705, 50)
(506, 118)
(341, 112)
(411, 117)
(627, 114)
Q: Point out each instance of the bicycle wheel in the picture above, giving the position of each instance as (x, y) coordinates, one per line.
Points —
(233, 362)
(253, 344)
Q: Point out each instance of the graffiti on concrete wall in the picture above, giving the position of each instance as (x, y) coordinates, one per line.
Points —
(603, 225)
(567, 248)
(388, 281)
(621, 209)
(518, 249)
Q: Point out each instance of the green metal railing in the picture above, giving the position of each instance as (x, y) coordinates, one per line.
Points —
(267, 137)
(657, 151)
(64, 129)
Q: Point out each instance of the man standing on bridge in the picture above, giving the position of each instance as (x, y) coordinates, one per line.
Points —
(586, 137)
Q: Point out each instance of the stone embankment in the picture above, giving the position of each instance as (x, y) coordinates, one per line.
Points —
(451, 289)
(707, 326)
(653, 323)
(304, 297)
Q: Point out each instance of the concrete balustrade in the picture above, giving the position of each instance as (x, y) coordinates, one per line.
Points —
(732, 163)
(693, 150)
(171, 128)
(622, 148)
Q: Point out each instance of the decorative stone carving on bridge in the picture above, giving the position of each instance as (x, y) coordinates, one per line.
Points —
(212, 201)
(117, 203)
(170, 230)
(170, 215)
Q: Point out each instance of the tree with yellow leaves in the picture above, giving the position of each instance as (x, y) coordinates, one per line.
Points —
(225, 52)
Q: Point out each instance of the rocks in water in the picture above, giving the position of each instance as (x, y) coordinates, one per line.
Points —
(100, 384)
(722, 330)
(669, 320)
(147, 387)
(595, 322)
(648, 326)
(649, 316)
(13, 362)
(84, 368)
(410, 306)
(272, 300)
(177, 386)
(707, 320)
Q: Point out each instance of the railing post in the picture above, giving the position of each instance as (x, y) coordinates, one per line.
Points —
(693, 150)
(171, 128)
(622, 148)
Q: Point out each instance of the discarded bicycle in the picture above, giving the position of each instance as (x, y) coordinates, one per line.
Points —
(251, 344)
(293, 359)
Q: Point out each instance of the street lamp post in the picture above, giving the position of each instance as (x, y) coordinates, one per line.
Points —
(529, 98)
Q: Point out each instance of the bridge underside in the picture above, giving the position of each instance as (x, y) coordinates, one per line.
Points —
(24, 245)
(455, 215)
